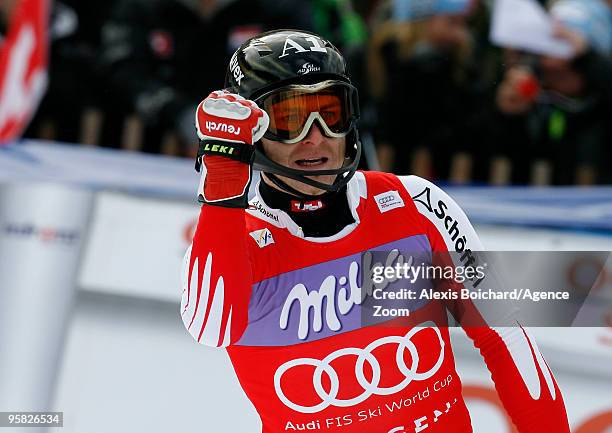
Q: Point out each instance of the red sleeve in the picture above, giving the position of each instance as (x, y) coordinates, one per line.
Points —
(217, 278)
(522, 378)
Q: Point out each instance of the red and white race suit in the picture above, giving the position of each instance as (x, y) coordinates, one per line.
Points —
(288, 310)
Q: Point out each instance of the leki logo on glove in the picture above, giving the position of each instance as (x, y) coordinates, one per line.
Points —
(223, 127)
(371, 386)
(218, 148)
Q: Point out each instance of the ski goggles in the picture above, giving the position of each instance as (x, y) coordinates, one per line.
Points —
(293, 109)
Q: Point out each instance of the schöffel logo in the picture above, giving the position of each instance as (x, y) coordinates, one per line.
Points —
(308, 67)
(223, 127)
(450, 223)
(47, 235)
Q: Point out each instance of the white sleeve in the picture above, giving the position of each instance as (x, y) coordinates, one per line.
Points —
(511, 354)
(444, 213)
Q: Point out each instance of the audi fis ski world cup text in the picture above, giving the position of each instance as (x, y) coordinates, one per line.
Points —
(371, 386)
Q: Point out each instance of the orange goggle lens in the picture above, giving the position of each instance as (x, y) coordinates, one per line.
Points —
(289, 110)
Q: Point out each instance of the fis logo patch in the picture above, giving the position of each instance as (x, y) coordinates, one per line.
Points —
(262, 237)
(388, 200)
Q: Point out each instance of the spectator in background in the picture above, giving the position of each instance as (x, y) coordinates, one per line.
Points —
(342, 25)
(73, 80)
(423, 76)
(559, 110)
(161, 57)
(337, 21)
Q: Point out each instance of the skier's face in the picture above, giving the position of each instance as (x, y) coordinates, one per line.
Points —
(315, 152)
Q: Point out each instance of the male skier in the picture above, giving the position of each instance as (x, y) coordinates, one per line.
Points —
(276, 280)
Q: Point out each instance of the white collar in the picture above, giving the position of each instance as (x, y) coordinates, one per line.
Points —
(356, 189)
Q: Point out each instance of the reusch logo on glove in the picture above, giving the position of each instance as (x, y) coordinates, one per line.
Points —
(223, 127)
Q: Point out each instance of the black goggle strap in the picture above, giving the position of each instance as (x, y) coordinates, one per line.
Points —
(242, 152)
(283, 186)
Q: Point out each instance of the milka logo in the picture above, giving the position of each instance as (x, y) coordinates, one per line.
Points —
(308, 67)
(223, 127)
(334, 294)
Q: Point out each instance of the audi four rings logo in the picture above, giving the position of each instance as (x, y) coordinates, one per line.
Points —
(370, 387)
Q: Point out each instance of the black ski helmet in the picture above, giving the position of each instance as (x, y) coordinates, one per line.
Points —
(280, 58)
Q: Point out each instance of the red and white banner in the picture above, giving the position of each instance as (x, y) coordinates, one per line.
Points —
(23, 67)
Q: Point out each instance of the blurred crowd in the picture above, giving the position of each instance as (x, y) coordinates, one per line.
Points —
(439, 99)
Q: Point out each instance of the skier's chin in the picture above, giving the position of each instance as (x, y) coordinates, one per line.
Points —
(305, 188)
(309, 189)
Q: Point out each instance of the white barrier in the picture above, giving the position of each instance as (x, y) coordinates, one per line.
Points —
(41, 232)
